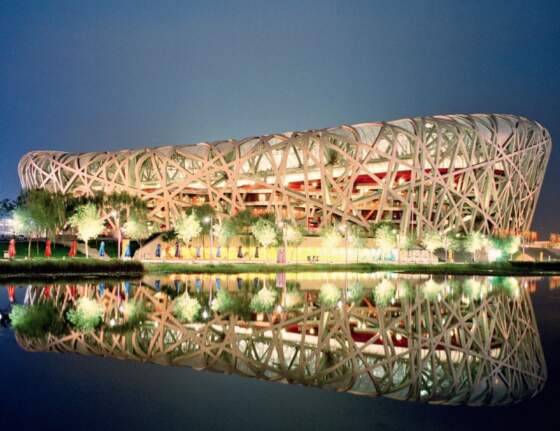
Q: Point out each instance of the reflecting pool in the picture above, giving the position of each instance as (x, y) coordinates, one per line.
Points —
(432, 339)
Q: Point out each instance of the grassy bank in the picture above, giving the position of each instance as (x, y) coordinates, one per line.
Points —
(31, 269)
(54, 269)
(503, 268)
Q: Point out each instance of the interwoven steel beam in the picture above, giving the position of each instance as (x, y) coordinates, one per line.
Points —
(454, 172)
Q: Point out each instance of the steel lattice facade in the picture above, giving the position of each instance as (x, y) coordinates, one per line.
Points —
(455, 172)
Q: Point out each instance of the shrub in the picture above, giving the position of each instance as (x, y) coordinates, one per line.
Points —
(87, 315)
(186, 308)
(36, 320)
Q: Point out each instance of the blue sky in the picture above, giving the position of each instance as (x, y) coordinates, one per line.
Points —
(91, 76)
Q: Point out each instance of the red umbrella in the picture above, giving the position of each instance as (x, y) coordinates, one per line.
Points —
(73, 248)
(12, 248)
(48, 252)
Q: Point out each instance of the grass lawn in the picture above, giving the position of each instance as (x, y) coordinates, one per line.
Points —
(58, 250)
(503, 268)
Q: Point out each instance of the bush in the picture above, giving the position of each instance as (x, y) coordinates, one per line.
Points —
(87, 315)
(36, 320)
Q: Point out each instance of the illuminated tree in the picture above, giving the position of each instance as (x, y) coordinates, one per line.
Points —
(331, 237)
(24, 225)
(188, 227)
(223, 232)
(87, 221)
(385, 237)
(265, 233)
(137, 229)
(293, 235)
(475, 242)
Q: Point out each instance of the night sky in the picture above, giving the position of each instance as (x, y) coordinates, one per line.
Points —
(93, 76)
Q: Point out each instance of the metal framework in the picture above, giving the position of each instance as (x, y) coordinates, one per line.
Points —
(483, 351)
(455, 172)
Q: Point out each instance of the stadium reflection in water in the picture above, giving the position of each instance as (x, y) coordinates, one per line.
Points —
(450, 340)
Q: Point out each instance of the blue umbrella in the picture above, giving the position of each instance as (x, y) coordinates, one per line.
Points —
(127, 287)
(102, 249)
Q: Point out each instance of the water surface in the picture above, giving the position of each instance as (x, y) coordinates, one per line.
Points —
(417, 341)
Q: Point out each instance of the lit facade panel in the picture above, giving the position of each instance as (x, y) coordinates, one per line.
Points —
(454, 172)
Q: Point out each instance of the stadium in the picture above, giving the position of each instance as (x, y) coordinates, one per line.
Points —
(444, 173)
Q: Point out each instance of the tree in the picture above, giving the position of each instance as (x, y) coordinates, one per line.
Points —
(47, 209)
(188, 227)
(223, 232)
(331, 237)
(293, 236)
(355, 236)
(475, 242)
(385, 237)
(87, 221)
(265, 233)
(137, 229)
(432, 241)
(24, 225)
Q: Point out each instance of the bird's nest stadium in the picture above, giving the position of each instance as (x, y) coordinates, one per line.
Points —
(449, 172)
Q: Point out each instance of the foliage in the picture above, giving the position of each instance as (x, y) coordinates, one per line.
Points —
(46, 209)
(293, 299)
(23, 222)
(356, 236)
(7, 207)
(134, 311)
(331, 237)
(224, 232)
(188, 227)
(433, 241)
(384, 292)
(203, 212)
(475, 242)
(87, 221)
(293, 234)
(432, 290)
(137, 229)
(36, 320)
(385, 237)
(243, 221)
(263, 301)
(224, 302)
(356, 293)
(186, 308)
(87, 315)
(329, 295)
(265, 232)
